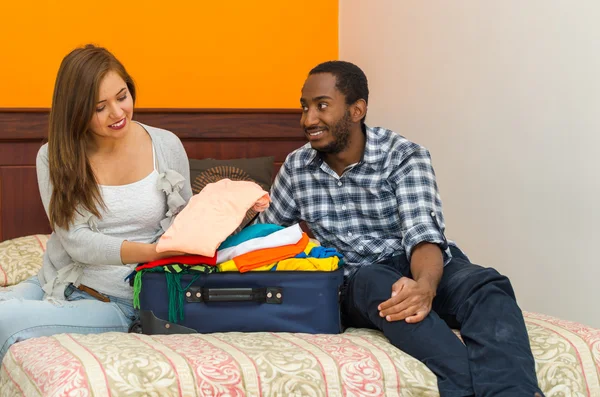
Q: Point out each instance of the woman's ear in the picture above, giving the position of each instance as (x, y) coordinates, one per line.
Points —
(358, 110)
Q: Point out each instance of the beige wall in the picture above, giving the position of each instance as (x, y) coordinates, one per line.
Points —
(506, 95)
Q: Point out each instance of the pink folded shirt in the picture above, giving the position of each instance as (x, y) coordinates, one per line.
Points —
(211, 216)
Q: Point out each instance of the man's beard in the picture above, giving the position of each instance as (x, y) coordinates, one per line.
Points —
(341, 136)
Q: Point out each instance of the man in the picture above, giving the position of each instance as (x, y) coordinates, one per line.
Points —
(372, 195)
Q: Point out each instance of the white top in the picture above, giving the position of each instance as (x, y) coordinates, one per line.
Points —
(133, 212)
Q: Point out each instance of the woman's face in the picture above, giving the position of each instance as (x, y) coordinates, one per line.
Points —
(114, 110)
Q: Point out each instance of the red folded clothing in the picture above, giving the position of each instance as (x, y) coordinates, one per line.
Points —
(182, 259)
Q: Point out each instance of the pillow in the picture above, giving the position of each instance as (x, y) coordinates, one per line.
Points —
(211, 215)
(21, 258)
(258, 170)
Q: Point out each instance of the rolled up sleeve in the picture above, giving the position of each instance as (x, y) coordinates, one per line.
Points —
(419, 204)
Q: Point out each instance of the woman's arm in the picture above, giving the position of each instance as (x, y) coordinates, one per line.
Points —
(81, 243)
(132, 252)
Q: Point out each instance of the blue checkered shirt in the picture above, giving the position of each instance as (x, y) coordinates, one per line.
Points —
(382, 206)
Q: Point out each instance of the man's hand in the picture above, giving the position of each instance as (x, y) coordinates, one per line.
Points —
(410, 301)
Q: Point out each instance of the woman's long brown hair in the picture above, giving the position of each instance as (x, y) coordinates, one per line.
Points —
(74, 185)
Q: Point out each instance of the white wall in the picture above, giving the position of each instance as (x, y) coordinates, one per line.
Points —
(506, 95)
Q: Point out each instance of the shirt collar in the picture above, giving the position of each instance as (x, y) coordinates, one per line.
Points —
(311, 156)
(374, 153)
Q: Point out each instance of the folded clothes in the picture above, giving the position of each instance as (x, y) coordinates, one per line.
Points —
(284, 237)
(320, 252)
(254, 259)
(308, 264)
(249, 233)
(211, 216)
(296, 263)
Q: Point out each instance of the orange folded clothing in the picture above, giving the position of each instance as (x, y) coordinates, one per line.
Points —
(254, 259)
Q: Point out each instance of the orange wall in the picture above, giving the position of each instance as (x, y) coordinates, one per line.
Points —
(181, 53)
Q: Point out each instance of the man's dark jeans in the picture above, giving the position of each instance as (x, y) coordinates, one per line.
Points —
(497, 358)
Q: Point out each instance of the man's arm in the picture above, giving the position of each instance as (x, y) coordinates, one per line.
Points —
(283, 209)
(427, 265)
(423, 240)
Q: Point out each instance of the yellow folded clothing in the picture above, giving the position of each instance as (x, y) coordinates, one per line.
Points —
(230, 266)
(309, 264)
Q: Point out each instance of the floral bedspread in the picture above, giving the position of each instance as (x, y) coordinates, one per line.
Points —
(21, 258)
(357, 363)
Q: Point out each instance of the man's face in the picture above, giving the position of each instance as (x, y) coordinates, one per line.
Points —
(325, 115)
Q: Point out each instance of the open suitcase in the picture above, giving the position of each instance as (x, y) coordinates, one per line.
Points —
(269, 301)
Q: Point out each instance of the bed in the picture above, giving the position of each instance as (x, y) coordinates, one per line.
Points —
(358, 362)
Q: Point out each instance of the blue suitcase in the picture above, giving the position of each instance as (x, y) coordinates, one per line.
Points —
(270, 301)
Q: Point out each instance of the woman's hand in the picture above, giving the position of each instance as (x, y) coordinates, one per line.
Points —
(167, 254)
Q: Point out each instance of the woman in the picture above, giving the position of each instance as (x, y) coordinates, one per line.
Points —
(109, 186)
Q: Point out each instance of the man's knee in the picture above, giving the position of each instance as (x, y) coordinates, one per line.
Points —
(472, 279)
(493, 280)
(374, 279)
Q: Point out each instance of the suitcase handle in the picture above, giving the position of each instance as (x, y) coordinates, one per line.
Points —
(272, 295)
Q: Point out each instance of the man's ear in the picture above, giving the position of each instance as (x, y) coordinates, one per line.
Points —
(358, 110)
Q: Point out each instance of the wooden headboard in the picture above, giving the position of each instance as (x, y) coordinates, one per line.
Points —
(206, 133)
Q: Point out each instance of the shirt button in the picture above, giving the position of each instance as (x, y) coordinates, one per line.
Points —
(349, 234)
(343, 207)
(339, 183)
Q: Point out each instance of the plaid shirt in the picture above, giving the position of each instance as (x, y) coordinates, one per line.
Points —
(382, 206)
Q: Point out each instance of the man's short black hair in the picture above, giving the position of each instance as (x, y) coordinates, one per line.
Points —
(350, 80)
